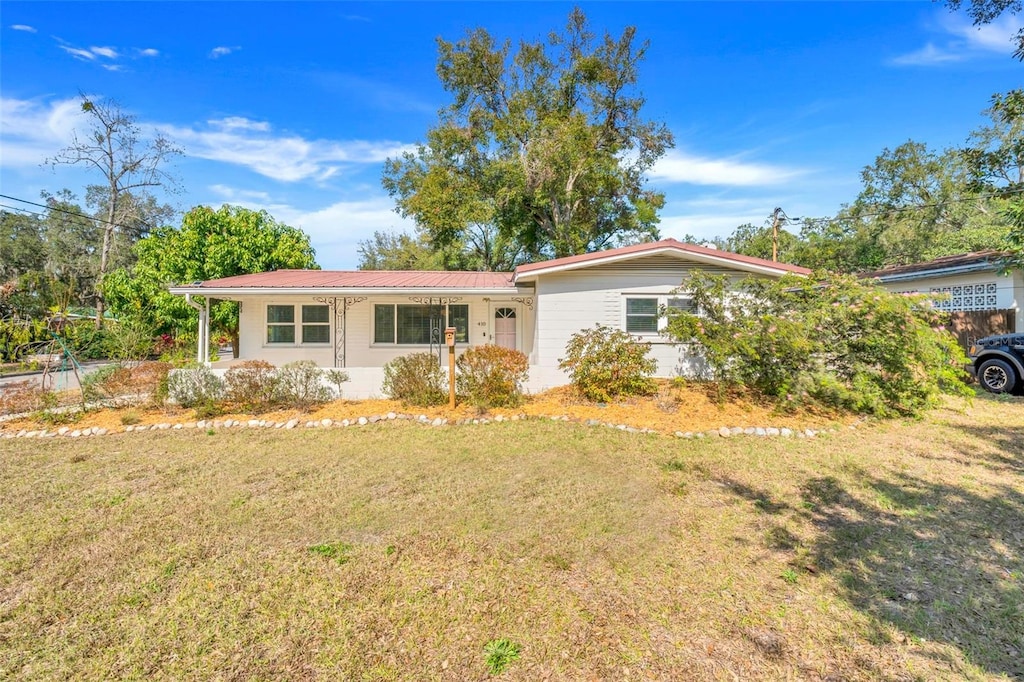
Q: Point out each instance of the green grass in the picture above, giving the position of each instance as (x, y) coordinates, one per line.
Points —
(402, 552)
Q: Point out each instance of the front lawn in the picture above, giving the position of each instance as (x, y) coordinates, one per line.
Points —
(400, 551)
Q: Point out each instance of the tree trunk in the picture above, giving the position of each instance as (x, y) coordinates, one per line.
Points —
(108, 233)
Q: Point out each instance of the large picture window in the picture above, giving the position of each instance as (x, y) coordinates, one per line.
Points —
(315, 323)
(409, 325)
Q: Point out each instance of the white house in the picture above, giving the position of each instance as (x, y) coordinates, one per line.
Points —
(980, 296)
(360, 320)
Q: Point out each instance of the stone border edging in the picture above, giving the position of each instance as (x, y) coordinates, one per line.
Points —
(210, 424)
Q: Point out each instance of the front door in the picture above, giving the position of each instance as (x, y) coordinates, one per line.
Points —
(505, 322)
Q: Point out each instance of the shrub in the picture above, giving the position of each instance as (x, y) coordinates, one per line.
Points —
(196, 386)
(252, 384)
(87, 342)
(150, 378)
(20, 397)
(300, 384)
(108, 383)
(336, 377)
(416, 379)
(604, 363)
(838, 341)
(492, 376)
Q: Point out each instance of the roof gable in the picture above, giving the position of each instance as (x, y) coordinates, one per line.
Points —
(672, 247)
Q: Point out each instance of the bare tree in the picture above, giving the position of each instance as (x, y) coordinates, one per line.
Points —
(114, 148)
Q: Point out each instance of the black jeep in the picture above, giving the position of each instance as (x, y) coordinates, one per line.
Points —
(998, 362)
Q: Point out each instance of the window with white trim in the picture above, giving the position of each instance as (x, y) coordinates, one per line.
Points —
(642, 315)
(314, 323)
(646, 314)
(409, 325)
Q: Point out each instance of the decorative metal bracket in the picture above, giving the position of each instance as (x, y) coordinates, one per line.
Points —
(339, 308)
(525, 300)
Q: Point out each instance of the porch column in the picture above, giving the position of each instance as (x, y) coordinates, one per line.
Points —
(204, 322)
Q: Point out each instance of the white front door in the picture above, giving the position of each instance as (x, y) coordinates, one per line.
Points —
(504, 323)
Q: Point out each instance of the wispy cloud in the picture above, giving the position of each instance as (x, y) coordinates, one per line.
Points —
(149, 52)
(114, 67)
(79, 53)
(34, 130)
(286, 157)
(960, 40)
(108, 52)
(680, 167)
(24, 27)
(223, 51)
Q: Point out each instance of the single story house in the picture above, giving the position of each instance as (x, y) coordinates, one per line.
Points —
(981, 298)
(360, 320)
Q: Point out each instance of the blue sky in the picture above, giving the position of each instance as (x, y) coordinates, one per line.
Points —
(292, 107)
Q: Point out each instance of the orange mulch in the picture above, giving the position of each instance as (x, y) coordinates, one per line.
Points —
(693, 407)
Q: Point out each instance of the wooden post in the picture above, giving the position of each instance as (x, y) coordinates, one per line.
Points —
(449, 339)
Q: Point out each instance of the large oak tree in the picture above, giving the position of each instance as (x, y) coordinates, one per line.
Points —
(544, 148)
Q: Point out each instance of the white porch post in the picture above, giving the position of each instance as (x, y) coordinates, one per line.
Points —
(203, 342)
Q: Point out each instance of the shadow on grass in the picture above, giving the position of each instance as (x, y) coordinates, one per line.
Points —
(937, 561)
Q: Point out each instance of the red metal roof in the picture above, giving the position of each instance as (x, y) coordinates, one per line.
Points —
(672, 244)
(363, 279)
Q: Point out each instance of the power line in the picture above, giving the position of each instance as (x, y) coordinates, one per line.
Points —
(126, 228)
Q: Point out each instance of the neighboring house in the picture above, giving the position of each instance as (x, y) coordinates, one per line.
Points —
(360, 320)
(972, 287)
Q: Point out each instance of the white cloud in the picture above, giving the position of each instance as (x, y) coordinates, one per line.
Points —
(24, 27)
(962, 40)
(928, 55)
(149, 52)
(108, 52)
(285, 157)
(222, 51)
(680, 167)
(78, 53)
(32, 131)
(336, 230)
(113, 67)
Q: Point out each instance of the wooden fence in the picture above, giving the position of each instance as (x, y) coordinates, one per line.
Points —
(970, 326)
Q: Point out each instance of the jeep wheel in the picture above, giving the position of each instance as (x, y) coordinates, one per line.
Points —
(996, 376)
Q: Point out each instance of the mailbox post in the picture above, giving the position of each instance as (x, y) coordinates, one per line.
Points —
(449, 340)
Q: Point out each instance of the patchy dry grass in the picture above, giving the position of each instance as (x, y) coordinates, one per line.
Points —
(397, 551)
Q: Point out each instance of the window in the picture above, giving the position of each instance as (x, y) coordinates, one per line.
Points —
(680, 304)
(410, 324)
(315, 323)
(642, 315)
(280, 324)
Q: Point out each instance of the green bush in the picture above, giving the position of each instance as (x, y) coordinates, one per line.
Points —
(416, 379)
(194, 387)
(16, 335)
(300, 384)
(491, 376)
(604, 363)
(87, 342)
(837, 341)
(252, 384)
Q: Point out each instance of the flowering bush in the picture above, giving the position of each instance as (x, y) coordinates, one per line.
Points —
(491, 376)
(604, 363)
(839, 341)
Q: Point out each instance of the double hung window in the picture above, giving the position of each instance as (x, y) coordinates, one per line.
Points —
(314, 324)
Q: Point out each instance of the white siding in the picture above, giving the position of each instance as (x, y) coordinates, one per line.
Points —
(574, 300)
(360, 351)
